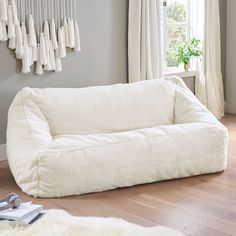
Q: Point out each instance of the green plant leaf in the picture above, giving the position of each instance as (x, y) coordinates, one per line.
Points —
(185, 51)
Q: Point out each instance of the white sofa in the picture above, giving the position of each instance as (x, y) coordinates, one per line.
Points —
(64, 141)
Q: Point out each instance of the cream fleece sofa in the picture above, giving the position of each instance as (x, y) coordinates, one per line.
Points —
(64, 141)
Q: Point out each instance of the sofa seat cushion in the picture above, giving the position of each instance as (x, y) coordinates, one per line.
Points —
(76, 164)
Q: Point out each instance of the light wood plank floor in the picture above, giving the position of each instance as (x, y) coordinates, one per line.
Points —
(203, 205)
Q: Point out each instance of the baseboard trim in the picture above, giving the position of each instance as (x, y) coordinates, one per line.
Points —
(3, 153)
(230, 107)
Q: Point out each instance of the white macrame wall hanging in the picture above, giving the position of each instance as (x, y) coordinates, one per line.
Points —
(39, 31)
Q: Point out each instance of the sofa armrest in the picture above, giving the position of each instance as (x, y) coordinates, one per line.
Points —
(188, 109)
(28, 133)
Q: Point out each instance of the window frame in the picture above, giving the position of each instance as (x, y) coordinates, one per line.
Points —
(171, 70)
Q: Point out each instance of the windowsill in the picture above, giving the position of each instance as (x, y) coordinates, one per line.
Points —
(182, 74)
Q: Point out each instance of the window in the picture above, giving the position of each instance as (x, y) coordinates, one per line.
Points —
(176, 28)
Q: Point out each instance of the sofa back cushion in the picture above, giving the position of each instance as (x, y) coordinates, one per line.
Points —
(106, 109)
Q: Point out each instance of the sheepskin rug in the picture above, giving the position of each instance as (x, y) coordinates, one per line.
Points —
(60, 223)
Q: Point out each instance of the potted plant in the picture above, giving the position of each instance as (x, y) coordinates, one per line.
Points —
(186, 51)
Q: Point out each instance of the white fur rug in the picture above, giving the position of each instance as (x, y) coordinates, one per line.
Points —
(60, 223)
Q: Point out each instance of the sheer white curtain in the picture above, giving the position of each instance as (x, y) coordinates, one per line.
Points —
(206, 26)
(144, 40)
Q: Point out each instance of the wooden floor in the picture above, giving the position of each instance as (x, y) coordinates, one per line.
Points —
(203, 205)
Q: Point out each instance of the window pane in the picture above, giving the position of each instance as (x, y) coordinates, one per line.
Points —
(175, 34)
(176, 11)
(176, 28)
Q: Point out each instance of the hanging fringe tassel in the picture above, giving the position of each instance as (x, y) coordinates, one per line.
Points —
(30, 55)
(63, 34)
(66, 33)
(58, 67)
(53, 34)
(71, 33)
(32, 34)
(35, 54)
(63, 38)
(52, 56)
(47, 67)
(3, 31)
(11, 29)
(11, 26)
(39, 67)
(43, 60)
(46, 31)
(61, 43)
(31, 62)
(14, 11)
(19, 43)
(26, 59)
(4, 10)
(77, 38)
(24, 33)
(12, 43)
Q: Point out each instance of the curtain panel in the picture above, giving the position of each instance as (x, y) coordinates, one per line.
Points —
(144, 40)
(209, 83)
